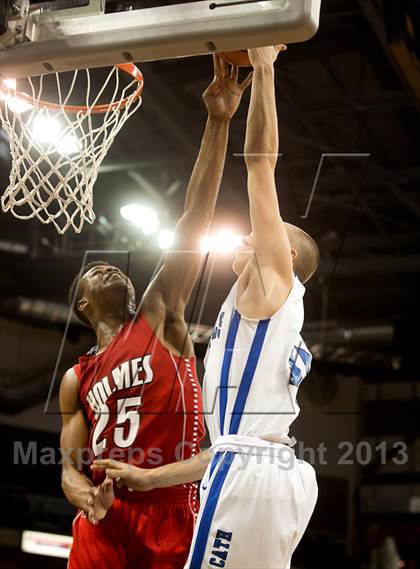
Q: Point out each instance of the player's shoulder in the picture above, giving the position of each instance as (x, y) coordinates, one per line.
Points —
(70, 379)
(69, 391)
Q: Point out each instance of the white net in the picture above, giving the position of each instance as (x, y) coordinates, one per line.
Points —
(56, 153)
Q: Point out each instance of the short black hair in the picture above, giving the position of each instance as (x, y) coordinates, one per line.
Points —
(75, 292)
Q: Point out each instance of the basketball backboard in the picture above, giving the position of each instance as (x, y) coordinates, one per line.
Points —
(43, 37)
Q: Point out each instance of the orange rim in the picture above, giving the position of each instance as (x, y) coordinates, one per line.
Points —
(128, 68)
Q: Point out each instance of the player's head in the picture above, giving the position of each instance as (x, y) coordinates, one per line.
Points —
(101, 290)
(303, 249)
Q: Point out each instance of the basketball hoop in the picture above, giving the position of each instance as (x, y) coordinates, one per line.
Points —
(57, 148)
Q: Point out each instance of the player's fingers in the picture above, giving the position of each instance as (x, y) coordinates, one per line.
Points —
(115, 475)
(99, 465)
(118, 482)
(245, 84)
(217, 66)
(281, 47)
(92, 518)
(107, 484)
(223, 66)
(234, 73)
(103, 464)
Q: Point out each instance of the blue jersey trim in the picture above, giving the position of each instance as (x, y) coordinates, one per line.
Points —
(306, 357)
(248, 376)
(227, 360)
(214, 463)
(299, 364)
(208, 512)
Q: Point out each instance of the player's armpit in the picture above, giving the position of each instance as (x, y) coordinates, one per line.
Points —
(178, 275)
(262, 293)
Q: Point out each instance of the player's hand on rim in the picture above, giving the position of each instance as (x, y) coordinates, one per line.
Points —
(265, 55)
(223, 96)
(125, 474)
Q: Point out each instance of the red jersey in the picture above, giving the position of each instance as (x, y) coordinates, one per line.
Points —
(142, 403)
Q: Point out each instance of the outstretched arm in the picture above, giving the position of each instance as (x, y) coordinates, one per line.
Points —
(143, 479)
(270, 240)
(181, 268)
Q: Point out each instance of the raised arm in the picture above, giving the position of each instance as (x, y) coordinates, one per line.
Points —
(181, 268)
(77, 487)
(270, 241)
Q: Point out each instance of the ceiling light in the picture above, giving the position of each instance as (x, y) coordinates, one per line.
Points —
(166, 239)
(141, 216)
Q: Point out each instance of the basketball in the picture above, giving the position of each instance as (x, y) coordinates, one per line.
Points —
(239, 58)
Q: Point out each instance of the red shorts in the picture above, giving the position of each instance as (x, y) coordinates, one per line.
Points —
(134, 535)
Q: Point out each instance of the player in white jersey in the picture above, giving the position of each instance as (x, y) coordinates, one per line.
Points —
(256, 497)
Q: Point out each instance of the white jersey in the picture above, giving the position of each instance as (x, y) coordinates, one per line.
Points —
(254, 368)
(253, 371)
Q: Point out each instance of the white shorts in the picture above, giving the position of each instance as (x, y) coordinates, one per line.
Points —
(256, 502)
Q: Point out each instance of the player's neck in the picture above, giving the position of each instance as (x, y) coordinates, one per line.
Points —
(106, 329)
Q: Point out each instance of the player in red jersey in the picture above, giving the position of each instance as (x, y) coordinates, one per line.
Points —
(137, 398)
